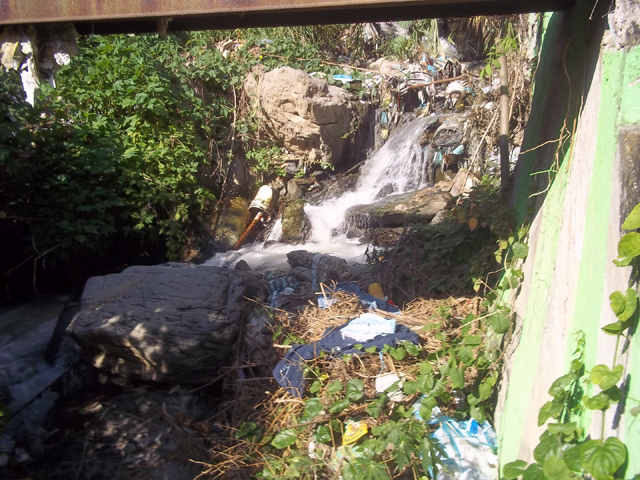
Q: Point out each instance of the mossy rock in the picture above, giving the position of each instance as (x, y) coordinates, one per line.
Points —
(235, 218)
(295, 224)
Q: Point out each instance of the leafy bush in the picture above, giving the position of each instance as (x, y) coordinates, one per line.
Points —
(446, 257)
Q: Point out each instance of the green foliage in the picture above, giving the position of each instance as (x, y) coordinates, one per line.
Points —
(128, 142)
(444, 257)
(116, 147)
(503, 46)
(422, 36)
(563, 452)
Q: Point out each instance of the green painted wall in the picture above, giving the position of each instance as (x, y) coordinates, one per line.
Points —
(586, 91)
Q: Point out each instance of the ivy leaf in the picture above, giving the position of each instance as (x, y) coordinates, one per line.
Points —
(426, 382)
(534, 472)
(322, 434)
(571, 457)
(410, 387)
(500, 322)
(547, 447)
(374, 410)
(605, 378)
(633, 219)
(398, 353)
(411, 348)
(628, 249)
(473, 340)
(485, 390)
(603, 459)
(613, 328)
(315, 387)
(549, 410)
(520, 250)
(617, 301)
(427, 405)
(285, 438)
(477, 413)
(313, 407)
(472, 400)
(339, 406)
(355, 387)
(466, 355)
(457, 377)
(631, 303)
(335, 387)
(597, 402)
(425, 367)
(557, 389)
(564, 428)
(556, 469)
(513, 469)
(371, 349)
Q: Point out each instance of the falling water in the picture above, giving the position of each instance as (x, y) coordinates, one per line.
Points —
(400, 166)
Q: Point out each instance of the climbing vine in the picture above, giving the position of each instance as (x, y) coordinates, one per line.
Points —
(564, 452)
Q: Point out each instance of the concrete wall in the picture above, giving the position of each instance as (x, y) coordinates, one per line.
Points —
(576, 194)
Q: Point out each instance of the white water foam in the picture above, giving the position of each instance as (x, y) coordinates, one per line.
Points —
(400, 166)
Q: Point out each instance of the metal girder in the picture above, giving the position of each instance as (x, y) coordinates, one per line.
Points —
(135, 16)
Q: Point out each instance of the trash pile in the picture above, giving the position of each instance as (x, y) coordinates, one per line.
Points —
(367, 393)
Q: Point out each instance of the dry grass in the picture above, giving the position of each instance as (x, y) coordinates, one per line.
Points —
(275, 410)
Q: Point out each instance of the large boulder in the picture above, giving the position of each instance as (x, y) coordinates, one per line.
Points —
(307, 116)
(396, 210)
(324, 268)
(234, 219)
(463, 182)
(173, 323)
(295, 224)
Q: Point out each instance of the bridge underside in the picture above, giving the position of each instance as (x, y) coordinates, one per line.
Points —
(136, 16)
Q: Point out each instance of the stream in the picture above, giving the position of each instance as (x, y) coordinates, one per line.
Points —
(400, 166)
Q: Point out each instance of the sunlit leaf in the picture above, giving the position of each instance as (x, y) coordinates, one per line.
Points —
(285, 438)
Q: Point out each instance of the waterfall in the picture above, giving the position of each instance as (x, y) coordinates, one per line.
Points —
(400, 166)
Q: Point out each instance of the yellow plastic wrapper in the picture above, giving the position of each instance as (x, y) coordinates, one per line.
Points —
(353, 431)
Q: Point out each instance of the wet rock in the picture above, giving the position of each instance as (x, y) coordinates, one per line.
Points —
(463, 182)
(295, 224)
(387, 190)
(293, 190)
(444, 185)
(304, 113)
(343, 184)
(396, 210)
(383, 237)
(242, 266)
(440, 217)
(360, 273)
(450, 133)
(324, 268)
(302, 274)
(234, 219)
(209, 249)
(173, 323)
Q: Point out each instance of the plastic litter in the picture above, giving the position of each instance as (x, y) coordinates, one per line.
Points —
(366, 299)
(343, 78)
(470, 447)
(367, 326)
(375, 289)
(353, 431)
(385, 382)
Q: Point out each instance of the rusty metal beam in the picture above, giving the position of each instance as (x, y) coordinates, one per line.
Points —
(136, 16)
